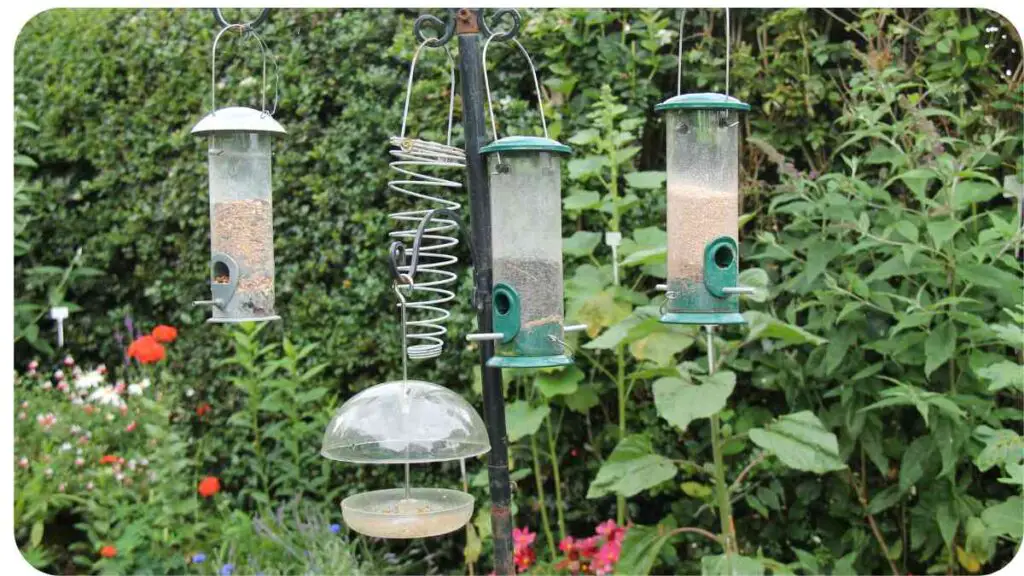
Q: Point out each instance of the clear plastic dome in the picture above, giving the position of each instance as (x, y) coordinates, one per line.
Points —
(405, 422)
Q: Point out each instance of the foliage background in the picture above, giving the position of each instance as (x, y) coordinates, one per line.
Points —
(114, 94)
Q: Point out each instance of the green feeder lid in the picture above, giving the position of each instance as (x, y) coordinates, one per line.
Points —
(702, 101)
(517, 143)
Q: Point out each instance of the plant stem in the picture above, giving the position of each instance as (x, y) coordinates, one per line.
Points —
(620, 385)
(541, 498)
(728, 537)
(559, 505)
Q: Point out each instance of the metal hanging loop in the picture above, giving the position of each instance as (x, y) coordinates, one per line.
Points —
(416, 167)
(219, 16)
(247, 33)
(536, 85)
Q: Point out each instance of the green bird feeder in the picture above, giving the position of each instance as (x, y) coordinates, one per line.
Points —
(703, 209)
(526, 242)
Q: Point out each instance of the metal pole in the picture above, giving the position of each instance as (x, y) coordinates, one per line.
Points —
(473, 98)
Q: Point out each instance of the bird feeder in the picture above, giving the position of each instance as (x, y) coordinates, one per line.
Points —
(241, 210)
(526, 242)
(406, 422)
(703, 209)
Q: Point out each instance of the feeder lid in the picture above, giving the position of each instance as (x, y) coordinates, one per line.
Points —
(238, 119)
(405, 421)
(517, 143)
(702, 101)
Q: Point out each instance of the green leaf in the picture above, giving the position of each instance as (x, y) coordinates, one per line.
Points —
(940, 346)
(719, 566)
(562, 382)
(581, 201)
(580, 168)
(581, 243)
(36, 536)
(884, 500)
(696, 490)
(1005, 519)
(474, 546)
(660, 347)
(1002, 447)
(680, 403)
(310, 395)
(915, 460)
(800, 441)
(947, 521)
(524, 420)
(764, 326)
(844, 566)
(640, 549)
(631, 469)
(895, 266)
(941, 231)
(1002, 375)
(757, 279)
(645, 180)
(601, 311)
(583, 399)
(647, 256)
(907, 229)
(586, 136)
(974, 192)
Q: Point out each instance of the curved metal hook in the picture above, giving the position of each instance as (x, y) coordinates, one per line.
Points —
(397, 252)
(431, 21)
(492, 31)
(219, 16)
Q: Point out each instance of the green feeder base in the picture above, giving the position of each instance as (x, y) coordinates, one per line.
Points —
(529, 361)
(241, 320)
(713, 318)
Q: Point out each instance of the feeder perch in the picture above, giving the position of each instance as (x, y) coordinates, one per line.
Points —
(241, 215)
(703, 209)
(526, 242)
(406, 422)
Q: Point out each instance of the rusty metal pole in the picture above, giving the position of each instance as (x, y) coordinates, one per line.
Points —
(473, 98)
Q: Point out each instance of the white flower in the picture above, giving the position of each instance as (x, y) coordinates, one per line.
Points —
(77, 401)
(109, 417)
(65, 447)
(75, 428)
(145, 383)
(59, 374)
(189, 392)
(48, 472)
(144, 461)
(79, 462)
(119, 476)
(664, 37)
(89, 486)
(131, 464)
(47, 385)
(89, 380)
(106, 395)
(134, 389)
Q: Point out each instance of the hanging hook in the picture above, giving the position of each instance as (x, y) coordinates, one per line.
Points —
(219, 17)
(430, 21)
(247, 33)
(408, 89)
(728, 51)
(679, 71)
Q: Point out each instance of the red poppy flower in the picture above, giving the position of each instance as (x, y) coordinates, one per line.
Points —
(163, 333)
(146, 350)
(108, 459)
(203, 409)
(108, 551)
(209, 486)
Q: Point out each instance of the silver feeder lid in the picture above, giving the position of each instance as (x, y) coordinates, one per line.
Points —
(238, 119)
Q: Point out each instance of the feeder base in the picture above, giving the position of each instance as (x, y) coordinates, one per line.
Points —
(714, 318)
(241, 320)
(529, 361)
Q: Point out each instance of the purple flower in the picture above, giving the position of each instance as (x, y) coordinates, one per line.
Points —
(129, 325)
(335, 528)
(198, 558)
(227, 569)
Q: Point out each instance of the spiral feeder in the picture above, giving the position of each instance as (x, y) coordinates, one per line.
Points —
(416, 170)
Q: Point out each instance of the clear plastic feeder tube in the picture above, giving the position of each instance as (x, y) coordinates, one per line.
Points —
(526, 241)
(241, 214)
(703, 207)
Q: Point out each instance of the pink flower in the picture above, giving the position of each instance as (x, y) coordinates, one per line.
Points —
(523, 537)
(79, 462)
(24, 404)
(130, 427)
(23, 462)
(63, 386)
(69, 361)
(59, 374)
(119, 387)
(606, 528)
(22, 415)
(61, 487)
(102, 369)
(46, 420)
(33, 365)
(89, 486)
(567, 545)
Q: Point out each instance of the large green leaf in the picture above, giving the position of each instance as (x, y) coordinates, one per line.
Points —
(631, 469)
(581, 201)
(800, 441)
(1006, 518)
(1003, 446)
(939, 346)
(974, 192)
(583, 399)
(660, 347)
(581, 243)
(524, 420)
(941, 231)
(915, 461)
(719, 566)
(765, 326)
(640, 549)
(580, 168)
(646, 180)
(561, 382)
(680, 402)
(1002, 375)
